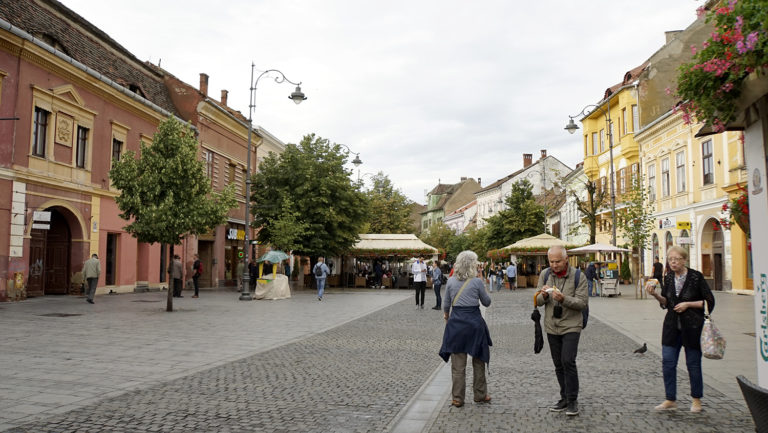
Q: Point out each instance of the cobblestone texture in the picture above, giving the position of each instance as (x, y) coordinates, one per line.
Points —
(618, 389)
(357, 378)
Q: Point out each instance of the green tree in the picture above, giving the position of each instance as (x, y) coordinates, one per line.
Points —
(286, 227)
(165, 193)
(311, 175)
(438, 235)
(636, 218)
(590, 206)
(522, 218)
(389, 210)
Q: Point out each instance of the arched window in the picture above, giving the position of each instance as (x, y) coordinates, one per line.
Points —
(668, 241)
(655, 245)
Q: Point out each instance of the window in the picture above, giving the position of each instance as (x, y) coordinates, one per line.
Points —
(41, 132)
(635, 172)
(684, 235)
(680, 171)
(624, 119)
(245, 182)
(117, 149)
(613, 133)
(595, 147)
(231, 173)
(635, 119)
(652, 182)
(602, 140)
(81, 152)
(604, 185)
(665, 177)
(655, 245)
(208, 157)
(706, 162)
(622, 181)
(668, 241)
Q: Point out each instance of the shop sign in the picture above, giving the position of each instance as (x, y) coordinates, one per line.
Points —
(684, 241)
(43, 216)
(683, 225)
(235, 234)
(667, 223)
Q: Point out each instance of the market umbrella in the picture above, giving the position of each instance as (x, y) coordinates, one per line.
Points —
(275, 256)
(538, 338)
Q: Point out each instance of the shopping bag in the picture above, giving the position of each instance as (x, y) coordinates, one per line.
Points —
(712, 341)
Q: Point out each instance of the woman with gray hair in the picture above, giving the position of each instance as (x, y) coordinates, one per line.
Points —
(684, 294)
(466, 332)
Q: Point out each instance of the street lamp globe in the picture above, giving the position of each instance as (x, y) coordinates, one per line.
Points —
(571, 127)
(297, 96)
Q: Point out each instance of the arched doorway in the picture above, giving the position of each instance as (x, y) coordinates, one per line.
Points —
(712, 251)
(655, 246)
(50, 250)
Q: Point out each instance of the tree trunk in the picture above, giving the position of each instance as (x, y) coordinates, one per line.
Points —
(169, 303)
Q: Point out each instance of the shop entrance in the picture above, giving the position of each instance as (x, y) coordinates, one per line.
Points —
(49, 255)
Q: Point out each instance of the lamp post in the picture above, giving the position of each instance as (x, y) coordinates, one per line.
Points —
(572, 127)
(356, 162)
(296, 96)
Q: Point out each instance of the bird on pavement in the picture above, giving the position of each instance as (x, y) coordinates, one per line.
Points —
(642, 349)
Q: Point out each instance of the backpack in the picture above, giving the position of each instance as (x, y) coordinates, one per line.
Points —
(198, 265)
(585, 311)
(318, 270)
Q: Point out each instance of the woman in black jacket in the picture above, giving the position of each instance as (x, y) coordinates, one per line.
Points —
(683, 295)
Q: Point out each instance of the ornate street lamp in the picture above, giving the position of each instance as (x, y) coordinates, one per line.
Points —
(297, 96)
(572, 127)
(356, 162)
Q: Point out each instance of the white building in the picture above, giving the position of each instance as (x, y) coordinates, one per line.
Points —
(545, 173)
(573, 230)
(460, 219)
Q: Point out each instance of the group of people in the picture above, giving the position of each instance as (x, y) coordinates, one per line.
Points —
(92, 270)
(682, 292)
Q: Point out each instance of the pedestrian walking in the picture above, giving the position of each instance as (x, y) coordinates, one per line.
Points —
(437, 283)
(512, 275)
(253, 275)
(197, 270)
(491, 278)
(499, 278)
(466, 332)
(419, 270)
(658, 270)
(321, 272)
(239, 271)
(91, 273)
(177, 272)
(564, 301)
(683, 294)
(591, 275)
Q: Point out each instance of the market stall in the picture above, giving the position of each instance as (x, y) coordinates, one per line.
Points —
(530, 255)
(392, 253)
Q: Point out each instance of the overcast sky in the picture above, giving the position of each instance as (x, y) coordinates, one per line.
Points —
(423, 90)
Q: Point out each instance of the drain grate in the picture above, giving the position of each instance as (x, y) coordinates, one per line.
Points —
(59, 315)
(145, 300)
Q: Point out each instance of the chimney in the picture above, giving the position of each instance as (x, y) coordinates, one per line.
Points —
(204, 83)
(480, 181)
(463, 178)
(543, 153)
(224, 94)
(527, 159)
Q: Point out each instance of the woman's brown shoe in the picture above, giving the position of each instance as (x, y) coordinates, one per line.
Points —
(667, 405)
(486, 399)
(457, 403)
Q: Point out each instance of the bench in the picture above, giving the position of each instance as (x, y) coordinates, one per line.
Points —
(757, 402)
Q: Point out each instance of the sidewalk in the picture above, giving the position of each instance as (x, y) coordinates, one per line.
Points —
(641, 320)
(59, 353)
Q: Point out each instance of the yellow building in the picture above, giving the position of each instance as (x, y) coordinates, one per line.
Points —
(689, 179)
(612, 121)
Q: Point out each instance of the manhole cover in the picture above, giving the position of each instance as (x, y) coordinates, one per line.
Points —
(751, 334)
(60, 315)
(144, 300)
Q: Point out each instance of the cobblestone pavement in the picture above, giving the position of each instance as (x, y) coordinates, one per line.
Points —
(618, 389)
(358, 377)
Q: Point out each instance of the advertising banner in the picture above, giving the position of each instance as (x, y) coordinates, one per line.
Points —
(755, 154)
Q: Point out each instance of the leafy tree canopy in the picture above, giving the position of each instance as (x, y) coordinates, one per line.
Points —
(522, 218)
(328, 206)
(438, 236)
(165, 193)
(389, 210)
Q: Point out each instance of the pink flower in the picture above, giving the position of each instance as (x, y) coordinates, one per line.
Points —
(668, 91)
(701, 11)
(739, 23)
(693, 49)
(705, 45)
(752, 40)
(727, 87)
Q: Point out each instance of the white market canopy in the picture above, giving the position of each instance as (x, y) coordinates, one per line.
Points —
(598, 248)
(388, 244)
(539, 241)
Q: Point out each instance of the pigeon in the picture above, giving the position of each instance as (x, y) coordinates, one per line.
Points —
(642, 349)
